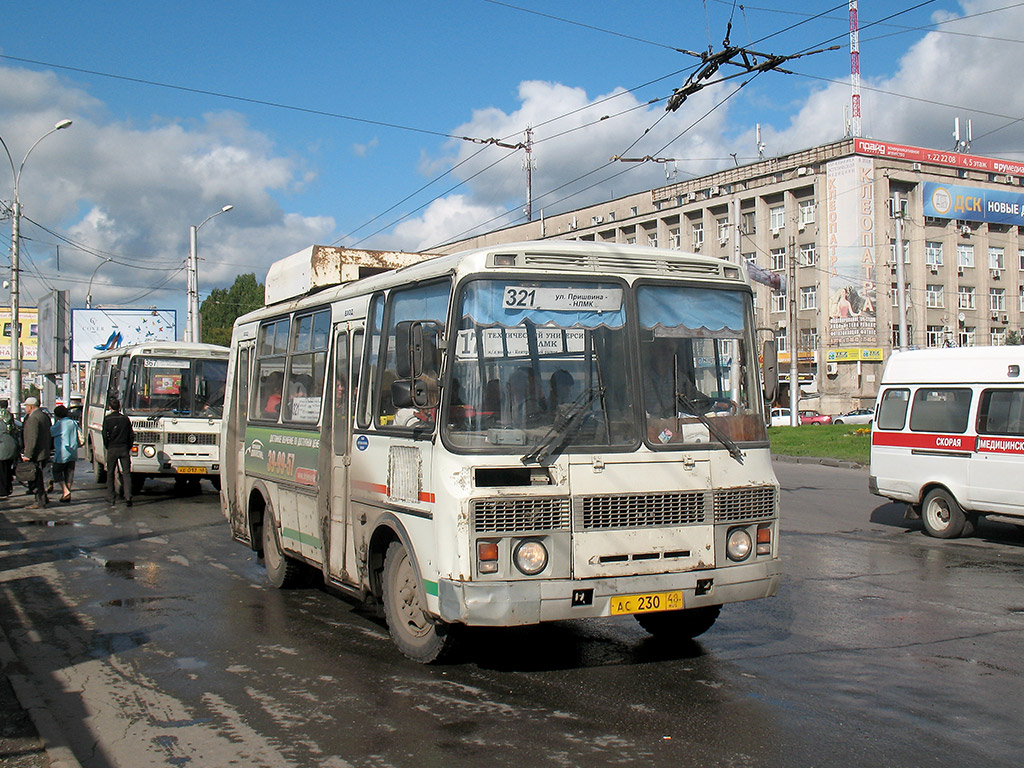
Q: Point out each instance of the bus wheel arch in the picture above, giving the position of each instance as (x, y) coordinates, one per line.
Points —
(942, 515)
(257, 507)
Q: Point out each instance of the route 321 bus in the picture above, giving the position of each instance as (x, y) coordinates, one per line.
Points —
(173, 392)
(507, 436)
(948, 438)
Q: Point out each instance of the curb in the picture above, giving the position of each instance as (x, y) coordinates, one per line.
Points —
(827, 462)
(50, 733)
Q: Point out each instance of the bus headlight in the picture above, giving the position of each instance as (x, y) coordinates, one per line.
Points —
(530, 557)
(738, 545)
(149, 451)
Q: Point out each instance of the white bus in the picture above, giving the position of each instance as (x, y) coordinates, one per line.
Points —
(511, 435)
(948, 437)
(173, 392)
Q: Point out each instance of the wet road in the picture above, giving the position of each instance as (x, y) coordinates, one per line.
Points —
(156, 642)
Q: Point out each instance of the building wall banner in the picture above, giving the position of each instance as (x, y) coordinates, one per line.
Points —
(872, 354)
(850, 242)
(937, 157)
(953, 201)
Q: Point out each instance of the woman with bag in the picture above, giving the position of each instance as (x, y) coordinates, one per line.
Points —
(66, 443)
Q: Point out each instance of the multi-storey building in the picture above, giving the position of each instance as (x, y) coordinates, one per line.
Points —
(825, 219)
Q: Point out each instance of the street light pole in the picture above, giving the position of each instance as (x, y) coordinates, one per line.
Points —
(15, 249)
(88, 296)
(192, 278)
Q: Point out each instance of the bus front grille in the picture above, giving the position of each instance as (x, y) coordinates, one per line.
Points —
(147, 437)
(191, 438)
(518, 515)
(642, 510)
(733, 505)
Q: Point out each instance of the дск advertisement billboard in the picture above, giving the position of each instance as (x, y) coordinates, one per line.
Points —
(952, 201)
(851, 240)
(95, 330)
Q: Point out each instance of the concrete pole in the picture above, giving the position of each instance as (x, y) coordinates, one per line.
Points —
(901, 293)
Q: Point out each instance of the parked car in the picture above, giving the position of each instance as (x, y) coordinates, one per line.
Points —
(858, 416)
(813, 417)
(779, 417)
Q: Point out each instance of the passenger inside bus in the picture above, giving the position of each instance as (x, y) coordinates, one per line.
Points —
(526, 403)
(560, 388)
(271, 393)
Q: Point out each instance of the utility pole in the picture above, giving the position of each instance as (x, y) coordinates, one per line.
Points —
(794, 372)
(528, 165)
(901, 291)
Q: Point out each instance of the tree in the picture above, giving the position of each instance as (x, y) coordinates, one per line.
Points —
(1013, 338)
(221, 307)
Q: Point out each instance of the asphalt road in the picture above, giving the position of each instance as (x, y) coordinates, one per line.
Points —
(154, 640)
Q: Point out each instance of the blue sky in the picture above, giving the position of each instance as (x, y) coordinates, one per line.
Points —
(331, 122)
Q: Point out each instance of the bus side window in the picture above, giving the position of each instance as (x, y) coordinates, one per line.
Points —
(892, 413)
(341, 396)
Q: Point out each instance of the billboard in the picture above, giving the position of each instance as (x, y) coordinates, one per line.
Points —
(28, 319)
(95, 330)
(953, 201)
(938, 157)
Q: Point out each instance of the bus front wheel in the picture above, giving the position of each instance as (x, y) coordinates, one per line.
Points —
(680, 625)
(282, 571)
(942, 516)
(416, 634)
(99, 472)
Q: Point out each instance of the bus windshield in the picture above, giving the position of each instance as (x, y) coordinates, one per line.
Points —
(540, 360)
(163, 386)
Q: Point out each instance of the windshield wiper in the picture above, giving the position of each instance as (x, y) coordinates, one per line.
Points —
(696, 410)
(566, 424)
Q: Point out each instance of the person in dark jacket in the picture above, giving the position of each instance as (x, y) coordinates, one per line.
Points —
(38, 444)
(118, 438)
(10, 448)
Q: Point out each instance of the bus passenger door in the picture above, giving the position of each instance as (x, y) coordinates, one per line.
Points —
(232, 475)
(339, 452)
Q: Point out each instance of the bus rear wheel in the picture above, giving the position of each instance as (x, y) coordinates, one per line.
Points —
(416, 634)
(680, 625)
(942, 516)
(282, 571)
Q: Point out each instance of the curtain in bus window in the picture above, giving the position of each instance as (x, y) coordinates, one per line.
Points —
(693, 312)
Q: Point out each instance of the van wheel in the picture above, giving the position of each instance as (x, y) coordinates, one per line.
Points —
(99, 472)
(282, 571)
(679, 625)
(941, 515)
(416, 634)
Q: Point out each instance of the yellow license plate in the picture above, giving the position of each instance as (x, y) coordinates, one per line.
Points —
(649, 603)
(191, 470)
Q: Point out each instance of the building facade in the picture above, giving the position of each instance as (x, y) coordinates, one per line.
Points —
(823, 222)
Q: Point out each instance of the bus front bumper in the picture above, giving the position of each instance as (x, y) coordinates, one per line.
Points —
(510, 603)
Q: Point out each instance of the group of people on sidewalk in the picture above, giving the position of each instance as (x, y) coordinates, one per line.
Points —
(39, 442)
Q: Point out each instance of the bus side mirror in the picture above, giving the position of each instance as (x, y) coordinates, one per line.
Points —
(417, 363)
(770, 371)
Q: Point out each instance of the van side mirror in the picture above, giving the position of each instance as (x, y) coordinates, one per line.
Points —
(417, 364)
(770, 371)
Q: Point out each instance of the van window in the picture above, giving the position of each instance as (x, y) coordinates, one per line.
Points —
(940, 409)
(892, 411)
(1001, 412)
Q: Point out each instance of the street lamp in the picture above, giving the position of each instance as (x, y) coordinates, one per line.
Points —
(88, 296)
(192, 276)
(15, 242)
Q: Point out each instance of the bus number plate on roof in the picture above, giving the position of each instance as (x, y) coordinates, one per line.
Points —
(563, 299)
(649, 603)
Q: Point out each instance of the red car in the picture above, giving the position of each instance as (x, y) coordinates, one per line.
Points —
(813, 417)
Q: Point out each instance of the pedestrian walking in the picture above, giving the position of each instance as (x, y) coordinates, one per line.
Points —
(118, 439)
(38, 444)
(65, 451)
(10, 448)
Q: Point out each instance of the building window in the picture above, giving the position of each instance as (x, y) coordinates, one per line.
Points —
(808, 255)
(697, 235)
(611, 215)
(673, 239)
(652, 240)
(933, 253)
(995, 258)
(806, 212)
(782, 339)
(809, 338)
(750, 258)
(895, 294)
(777, 218)
(934, 335)
(747, 222)
(967, 336)
(965, 297)
(809, 297)
(1020, 299)
(965, 255)
(778, 259)
(634, 211)
(997, 337)
(723, 230)
(997, 299)
(892, 251)
(1020, 256)
(778, 301)
(933, 296)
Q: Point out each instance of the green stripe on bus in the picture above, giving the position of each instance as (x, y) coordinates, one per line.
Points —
(302, 538)
(430, 587)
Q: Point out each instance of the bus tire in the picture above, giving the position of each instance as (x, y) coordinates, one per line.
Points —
(416, 634)
(138, 481)
(942, 516)
(282, 571)
(680, 625)
(99, 472)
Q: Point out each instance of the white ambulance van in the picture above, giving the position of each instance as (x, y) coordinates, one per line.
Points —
(948, 437)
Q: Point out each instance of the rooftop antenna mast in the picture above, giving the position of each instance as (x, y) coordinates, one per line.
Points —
(959, 144)
(855, 69)
(760, 144)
